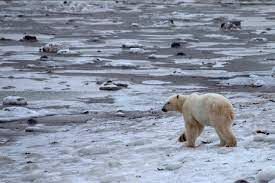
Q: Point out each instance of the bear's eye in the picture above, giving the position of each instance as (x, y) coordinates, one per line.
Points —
(168, 102)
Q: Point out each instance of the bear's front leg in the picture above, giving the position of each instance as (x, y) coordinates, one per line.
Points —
(190, 134)
(182, 137)
(193, 129)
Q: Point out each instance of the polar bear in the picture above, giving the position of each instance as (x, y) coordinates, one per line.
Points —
(204, 110)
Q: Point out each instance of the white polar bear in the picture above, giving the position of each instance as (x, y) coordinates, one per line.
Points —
(204, 110)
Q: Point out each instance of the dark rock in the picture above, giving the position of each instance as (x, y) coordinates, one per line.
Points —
(109, 86)
(32, 122)
(8, 87)
(44, 58)
(262, 132)
(29, 38)
(231, 25)
(171, 21)
(14, 100)
(175, 45)
(124, 85)
(181, 54)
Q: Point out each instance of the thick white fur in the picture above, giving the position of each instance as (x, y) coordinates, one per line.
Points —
(204, 110)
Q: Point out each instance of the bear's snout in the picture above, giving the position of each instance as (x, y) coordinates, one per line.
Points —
(164, 110)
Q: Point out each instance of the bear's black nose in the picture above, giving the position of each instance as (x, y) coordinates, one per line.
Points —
(164, 110)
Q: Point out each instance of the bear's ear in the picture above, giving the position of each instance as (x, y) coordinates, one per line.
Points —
(177, 96)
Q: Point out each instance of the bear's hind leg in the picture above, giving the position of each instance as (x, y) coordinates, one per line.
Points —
(192, 130)
(222, 141)
(227, 134)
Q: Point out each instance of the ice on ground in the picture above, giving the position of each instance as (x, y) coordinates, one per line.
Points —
(14, 100)
(17, 113)
(68, 52)
(220, 36)
(253, 81)
(155, 82)
(136, 50)
(132, 45)
(258, 39)
(135, 25)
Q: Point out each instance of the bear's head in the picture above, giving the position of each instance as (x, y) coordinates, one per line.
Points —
(174, 103)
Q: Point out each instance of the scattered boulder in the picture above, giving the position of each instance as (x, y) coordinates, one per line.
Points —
(96, 60)
(132, 45)
(53, 47)
(171, 21)
(153, 56)
(123, 85)
(28, 38)
(32, 122)
(8, 87)
(135, 25)
(14, 100)
(241, 181)
(67, 52)
(119, 113)
(266, 175)
(262, 132)
(137, 50)
(231, 25)
(181, 54)
(44, 58)
(176, 45)
(111, 86)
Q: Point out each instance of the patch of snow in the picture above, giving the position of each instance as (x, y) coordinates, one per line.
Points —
(258, 39)
(253, 80)
(137, 50)
(266, 175)
(155, 82)
(67, 52)
(17, 113)
(132, 45)
(220, 36)
(14, 100)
